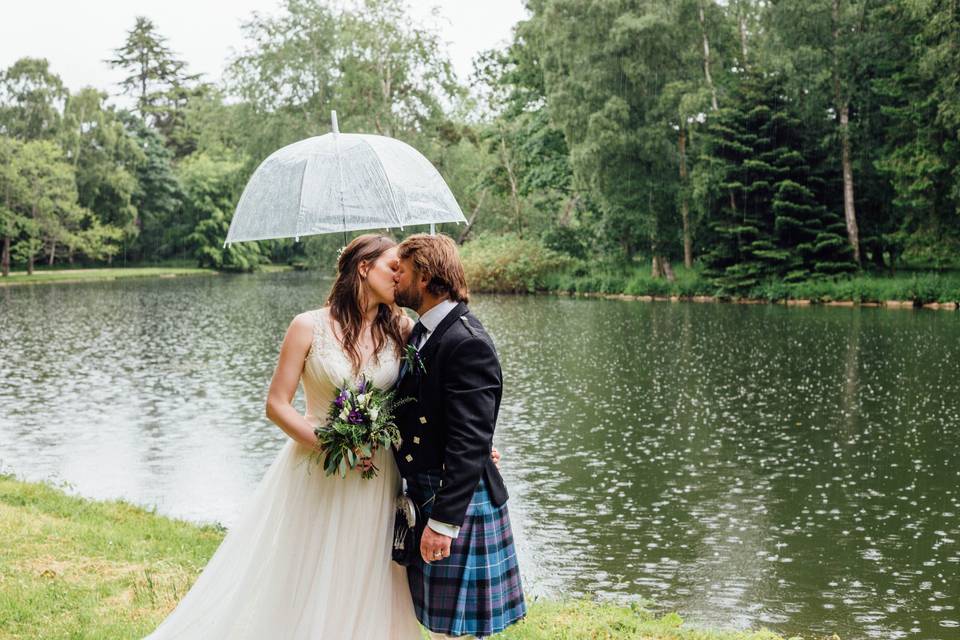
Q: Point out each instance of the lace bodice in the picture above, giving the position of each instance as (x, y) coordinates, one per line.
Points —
(327, 366)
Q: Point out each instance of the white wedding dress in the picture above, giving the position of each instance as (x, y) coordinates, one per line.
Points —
(309, 557)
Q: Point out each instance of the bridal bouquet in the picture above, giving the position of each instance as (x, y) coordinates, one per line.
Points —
(360, 420)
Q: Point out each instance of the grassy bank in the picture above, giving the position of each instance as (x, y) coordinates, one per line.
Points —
(47, 276)
(75, 568)
(507, 264)
(916, 288)
(92, 275)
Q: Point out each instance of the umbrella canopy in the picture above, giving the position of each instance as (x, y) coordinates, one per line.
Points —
(341, 182)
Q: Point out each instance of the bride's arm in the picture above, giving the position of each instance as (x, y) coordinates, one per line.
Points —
(286, 377)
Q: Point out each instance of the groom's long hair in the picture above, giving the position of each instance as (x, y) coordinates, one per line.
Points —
(346, 304)
(437, 257)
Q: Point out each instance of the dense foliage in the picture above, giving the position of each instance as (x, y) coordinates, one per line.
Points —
(758, 141)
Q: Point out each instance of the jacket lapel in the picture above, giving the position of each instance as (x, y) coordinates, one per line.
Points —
(433, 341)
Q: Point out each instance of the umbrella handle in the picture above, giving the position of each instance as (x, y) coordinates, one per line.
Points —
(334, 125)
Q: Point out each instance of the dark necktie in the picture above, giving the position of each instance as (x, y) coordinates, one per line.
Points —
(418, 330)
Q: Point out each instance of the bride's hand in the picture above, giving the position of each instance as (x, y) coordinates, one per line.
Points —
(364, 463)
(495, 456)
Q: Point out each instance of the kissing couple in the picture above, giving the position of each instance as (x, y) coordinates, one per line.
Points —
(310, 555)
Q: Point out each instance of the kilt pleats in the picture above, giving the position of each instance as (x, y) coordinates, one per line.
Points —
(476, 591)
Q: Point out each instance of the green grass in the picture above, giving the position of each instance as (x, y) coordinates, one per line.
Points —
(585, 620)
(72, 568)
(81, 569)
(918, 287)
(92, 275)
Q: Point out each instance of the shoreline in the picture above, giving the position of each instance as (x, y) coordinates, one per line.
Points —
(80, 568)
(789, 302)
(108, 274)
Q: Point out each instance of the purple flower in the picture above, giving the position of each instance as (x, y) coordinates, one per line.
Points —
(355, 417)
(363, 385)
(341, 399)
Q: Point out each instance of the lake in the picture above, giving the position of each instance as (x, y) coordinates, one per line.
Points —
(744, 465)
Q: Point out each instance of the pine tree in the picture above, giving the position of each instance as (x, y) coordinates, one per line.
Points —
(768, 218)
(739, 149)
(157, 79)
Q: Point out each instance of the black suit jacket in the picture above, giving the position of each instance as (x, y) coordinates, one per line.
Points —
(448, 426)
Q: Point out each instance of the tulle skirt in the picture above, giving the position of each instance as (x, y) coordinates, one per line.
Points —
(309, 557)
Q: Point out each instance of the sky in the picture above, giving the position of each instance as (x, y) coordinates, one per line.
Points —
(76, 36)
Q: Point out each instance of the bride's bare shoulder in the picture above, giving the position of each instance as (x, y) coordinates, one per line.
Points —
(308, 320)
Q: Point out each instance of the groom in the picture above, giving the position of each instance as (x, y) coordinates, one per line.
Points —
(467, 581)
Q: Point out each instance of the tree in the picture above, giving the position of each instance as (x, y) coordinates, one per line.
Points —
(211, 188)
(158, 196)
(604, 66)
(381, 71)
(105, 158)
(13, 189)
(49, 213)
(825, 43)
(393, 71)
(773, 224)
(31, 100)
(530, 165)
(157, 80)
(919, 119)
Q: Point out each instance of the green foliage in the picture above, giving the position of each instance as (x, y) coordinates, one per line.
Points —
(210, 189)
(371, 61)
(158, 196)
(766, 216)
(156, 78)
(31, 100)
(360, 421)
(568, 240)
(41, 211)
(604, 67)
(603, 131)
(507, 263)
(105, 157)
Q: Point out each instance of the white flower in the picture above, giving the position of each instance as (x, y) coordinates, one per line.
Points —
(344, 414)
(362, 400)
(374, 413)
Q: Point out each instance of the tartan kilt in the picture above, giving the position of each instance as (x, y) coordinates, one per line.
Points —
(476, 591)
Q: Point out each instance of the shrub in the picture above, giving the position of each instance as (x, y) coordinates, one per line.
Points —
(509, 264)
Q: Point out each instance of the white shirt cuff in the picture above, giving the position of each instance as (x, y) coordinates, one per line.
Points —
(443, 528)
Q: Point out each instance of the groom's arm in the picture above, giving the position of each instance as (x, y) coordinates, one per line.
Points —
(471, 384)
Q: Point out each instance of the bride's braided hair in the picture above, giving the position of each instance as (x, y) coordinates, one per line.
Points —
(346, 303)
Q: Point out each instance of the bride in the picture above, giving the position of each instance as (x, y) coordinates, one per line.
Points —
(309, 557)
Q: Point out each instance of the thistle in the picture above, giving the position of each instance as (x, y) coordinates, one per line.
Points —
(413, 359)
(359, 422)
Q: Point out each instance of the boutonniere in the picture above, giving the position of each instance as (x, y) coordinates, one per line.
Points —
(413, 359)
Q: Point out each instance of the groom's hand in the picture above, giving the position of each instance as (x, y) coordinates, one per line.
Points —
(434, 546)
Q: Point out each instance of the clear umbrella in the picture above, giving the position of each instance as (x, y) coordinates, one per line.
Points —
(341, 182)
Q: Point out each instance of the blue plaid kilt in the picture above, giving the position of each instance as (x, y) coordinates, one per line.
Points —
(476, 591)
